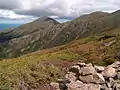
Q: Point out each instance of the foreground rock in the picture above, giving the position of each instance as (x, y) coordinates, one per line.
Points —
(88, 77)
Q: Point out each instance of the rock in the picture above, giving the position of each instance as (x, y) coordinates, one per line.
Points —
(118, 75)
(115, 65)
(99, 68)
(93, 87)
(63, 86)
(96, 78)
(87, 79)
(111, 81)
(87, 71)
(89, 65)
(116, 86)
(75, 69)
(109, 72)
(77, 86)
(81, 64)
(118, 69)
(70, 76)
(108, 85)
(55, 85)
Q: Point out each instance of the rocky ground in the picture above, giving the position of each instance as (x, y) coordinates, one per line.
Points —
(83, 76)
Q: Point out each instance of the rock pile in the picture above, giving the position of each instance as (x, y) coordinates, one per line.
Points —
(89, 77)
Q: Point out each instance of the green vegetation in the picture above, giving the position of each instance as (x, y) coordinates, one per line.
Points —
(45, 66)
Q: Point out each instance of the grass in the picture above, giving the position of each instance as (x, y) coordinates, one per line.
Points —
(42, 67)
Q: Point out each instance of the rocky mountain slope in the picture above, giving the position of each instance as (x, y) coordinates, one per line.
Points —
(46, 33)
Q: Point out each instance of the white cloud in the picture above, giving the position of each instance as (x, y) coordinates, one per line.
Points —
(56, 8)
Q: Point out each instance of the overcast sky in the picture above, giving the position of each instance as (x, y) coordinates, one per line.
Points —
(63, 10)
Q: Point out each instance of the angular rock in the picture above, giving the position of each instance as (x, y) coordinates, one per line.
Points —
(115, 65)
(99, 68)
(71, 76)
(116, 86)
(96, 78)
(109, 72)
(89, 65)
(118, 75)
(77, 86)
(87, 71)
(93, 87)
(55, 85)
(108, 85)
(87, 79)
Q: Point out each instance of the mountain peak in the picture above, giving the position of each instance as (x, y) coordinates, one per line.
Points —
(46, 19)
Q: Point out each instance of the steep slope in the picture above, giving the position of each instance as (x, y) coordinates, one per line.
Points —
(46, 32)
(16, 41)
(36, 70)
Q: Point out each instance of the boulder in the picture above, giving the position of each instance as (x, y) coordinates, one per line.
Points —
(86, 79)
(96, 78)
(77, 86)
(87, 71)
(115, 65)
(93, 87)
(55, 85)
(118, 75)
(71, 76)
(89, 65)
(99, 68)
(109, 72)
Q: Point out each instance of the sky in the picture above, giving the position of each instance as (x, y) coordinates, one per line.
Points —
(23, 11)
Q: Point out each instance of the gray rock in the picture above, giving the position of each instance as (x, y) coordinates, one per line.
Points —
(116, 86)
(118, 69)
(115, 65)
(87, 71)
(77, 86)
(109, 72)
(111, 81)
(71, 76)
(93, 87)
(55, 85)
(99, 68)
(108, 85)
(87, 79)
(118, 75)
(89, 65)
(96, 78)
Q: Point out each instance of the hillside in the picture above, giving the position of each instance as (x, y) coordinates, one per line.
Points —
(38, 69)
(46, 33)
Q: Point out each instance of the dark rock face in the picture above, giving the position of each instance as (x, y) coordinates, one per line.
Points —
(46, 32)
(107, 79)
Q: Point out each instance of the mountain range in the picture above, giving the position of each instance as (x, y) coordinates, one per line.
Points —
(45, 33)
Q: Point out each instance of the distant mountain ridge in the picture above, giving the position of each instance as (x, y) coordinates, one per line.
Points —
(46, 32)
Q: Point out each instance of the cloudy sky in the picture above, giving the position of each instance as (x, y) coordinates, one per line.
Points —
(21, 11)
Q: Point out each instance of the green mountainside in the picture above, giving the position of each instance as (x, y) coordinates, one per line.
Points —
(92, 38)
